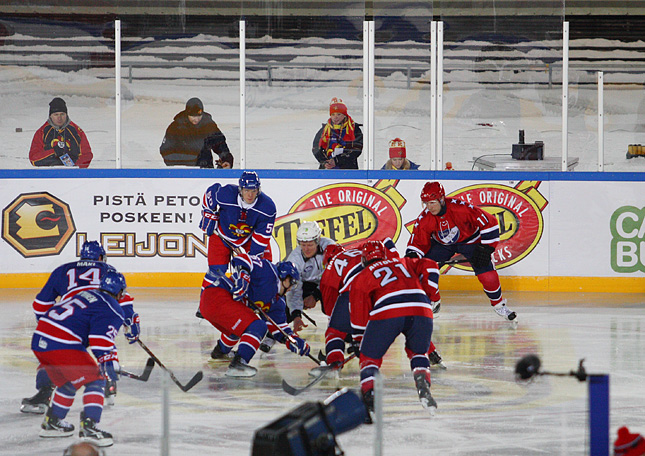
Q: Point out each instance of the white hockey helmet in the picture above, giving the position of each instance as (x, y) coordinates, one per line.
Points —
(308, 231)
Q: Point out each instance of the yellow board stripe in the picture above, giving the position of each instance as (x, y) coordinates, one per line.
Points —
(466, 283)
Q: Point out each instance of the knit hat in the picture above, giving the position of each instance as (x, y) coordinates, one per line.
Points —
(337, 105)
(397, 148)
(57, 105)
(629, 444)
(194, 107)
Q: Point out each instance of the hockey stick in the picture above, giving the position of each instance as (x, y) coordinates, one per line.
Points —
(293, 391)
(145, 375)
(192, 382)
(313, 322)
(287, 336)
(458, 259)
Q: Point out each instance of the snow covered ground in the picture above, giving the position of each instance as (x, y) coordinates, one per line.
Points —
(482, 110)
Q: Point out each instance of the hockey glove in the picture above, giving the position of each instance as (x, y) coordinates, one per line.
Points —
(436, 306)
(301, 347)
(481, 255)
(241, 280)
(109, 365)
(132, 328)
(209, 221)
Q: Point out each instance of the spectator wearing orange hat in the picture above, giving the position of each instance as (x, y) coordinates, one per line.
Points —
(628, 444)
(398, 158)
(339, 142)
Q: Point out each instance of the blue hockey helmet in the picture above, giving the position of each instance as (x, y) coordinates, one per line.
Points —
(92, 250)
(113, 282)
(287, 269)
(250, 180)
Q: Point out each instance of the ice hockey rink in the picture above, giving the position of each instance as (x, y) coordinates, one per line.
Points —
(482, 410)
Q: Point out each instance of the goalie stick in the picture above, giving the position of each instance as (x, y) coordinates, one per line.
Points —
(293, 391)
(192, 382)
(145, 375)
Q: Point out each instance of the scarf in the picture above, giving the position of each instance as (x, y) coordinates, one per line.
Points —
(344, 132)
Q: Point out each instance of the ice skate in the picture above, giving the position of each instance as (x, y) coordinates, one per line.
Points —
(55, 427)
(436, 360)
(218, 354)
(368, 400)
(110, 392)
(505, 312)
(423, 389)
(91, 433)
(39, 402)
(240, 368)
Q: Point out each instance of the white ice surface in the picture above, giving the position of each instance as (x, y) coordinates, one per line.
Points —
(481, 408)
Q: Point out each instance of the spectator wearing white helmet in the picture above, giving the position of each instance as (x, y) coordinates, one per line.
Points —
(308, 259)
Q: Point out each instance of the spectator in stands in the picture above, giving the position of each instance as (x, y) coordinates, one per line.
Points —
(339, 142)
(192, 137)
(60, 142)
(398, 158)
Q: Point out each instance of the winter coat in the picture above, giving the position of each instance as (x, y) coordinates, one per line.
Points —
(191, 145)
(350, 141)
(64, 146)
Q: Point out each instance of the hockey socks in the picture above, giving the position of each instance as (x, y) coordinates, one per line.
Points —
(492, 287)
(251, 339)
(93, 398)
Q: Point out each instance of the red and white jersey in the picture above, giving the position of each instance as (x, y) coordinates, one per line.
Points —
(461, 223)
(337, 274)
(390, 289)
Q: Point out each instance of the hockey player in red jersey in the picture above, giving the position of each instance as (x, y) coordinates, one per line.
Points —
(452, 226)
(387, 298)
(341, 266)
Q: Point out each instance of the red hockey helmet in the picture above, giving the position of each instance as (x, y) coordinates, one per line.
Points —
(432, 191)
(373, 251)
(331, 251)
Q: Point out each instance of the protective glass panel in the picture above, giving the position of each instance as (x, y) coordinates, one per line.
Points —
(502, 75)
(167, 62)
(297, 61)
(402, 87)
(624, 112)
(43, 59)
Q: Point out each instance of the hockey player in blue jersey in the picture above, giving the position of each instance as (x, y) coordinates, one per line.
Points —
(237, 217)
(258, 283)
(87, 321)
(64, 282)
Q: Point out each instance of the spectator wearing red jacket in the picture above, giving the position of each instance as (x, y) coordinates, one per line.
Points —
(60, 142)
